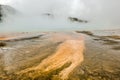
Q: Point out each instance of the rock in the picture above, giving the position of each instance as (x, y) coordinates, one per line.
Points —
(2, 44)
(5, 10)
(86, 32)
(0, 12)
(74, 19)
(50, 15)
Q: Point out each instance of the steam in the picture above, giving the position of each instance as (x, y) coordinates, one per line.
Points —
(101, 14)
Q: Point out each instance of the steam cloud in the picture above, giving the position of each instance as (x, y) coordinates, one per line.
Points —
(100, 13)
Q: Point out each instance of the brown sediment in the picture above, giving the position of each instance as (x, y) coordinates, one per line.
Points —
(116, 48)
(69, 51)
(6, 38)
(59, 56)
(3, 38)
(108, 40)
(86, 32)
(112, 36)
(2, 44)
(19, 38)
(111, 42)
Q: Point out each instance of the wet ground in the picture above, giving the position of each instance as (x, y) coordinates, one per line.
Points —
(101, 58)
(20, 58)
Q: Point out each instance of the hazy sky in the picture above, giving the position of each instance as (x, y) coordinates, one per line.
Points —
(103, 12)
(94, 9)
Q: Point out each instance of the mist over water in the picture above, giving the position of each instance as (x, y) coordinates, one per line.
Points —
(101, 14)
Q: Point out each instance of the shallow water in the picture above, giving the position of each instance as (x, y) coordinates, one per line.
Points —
(101, 61)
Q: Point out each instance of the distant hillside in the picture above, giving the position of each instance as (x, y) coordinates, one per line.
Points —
(5, 10)
(0, 12)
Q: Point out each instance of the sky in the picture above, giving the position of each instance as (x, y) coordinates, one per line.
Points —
(6, 1)
(99, 12)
